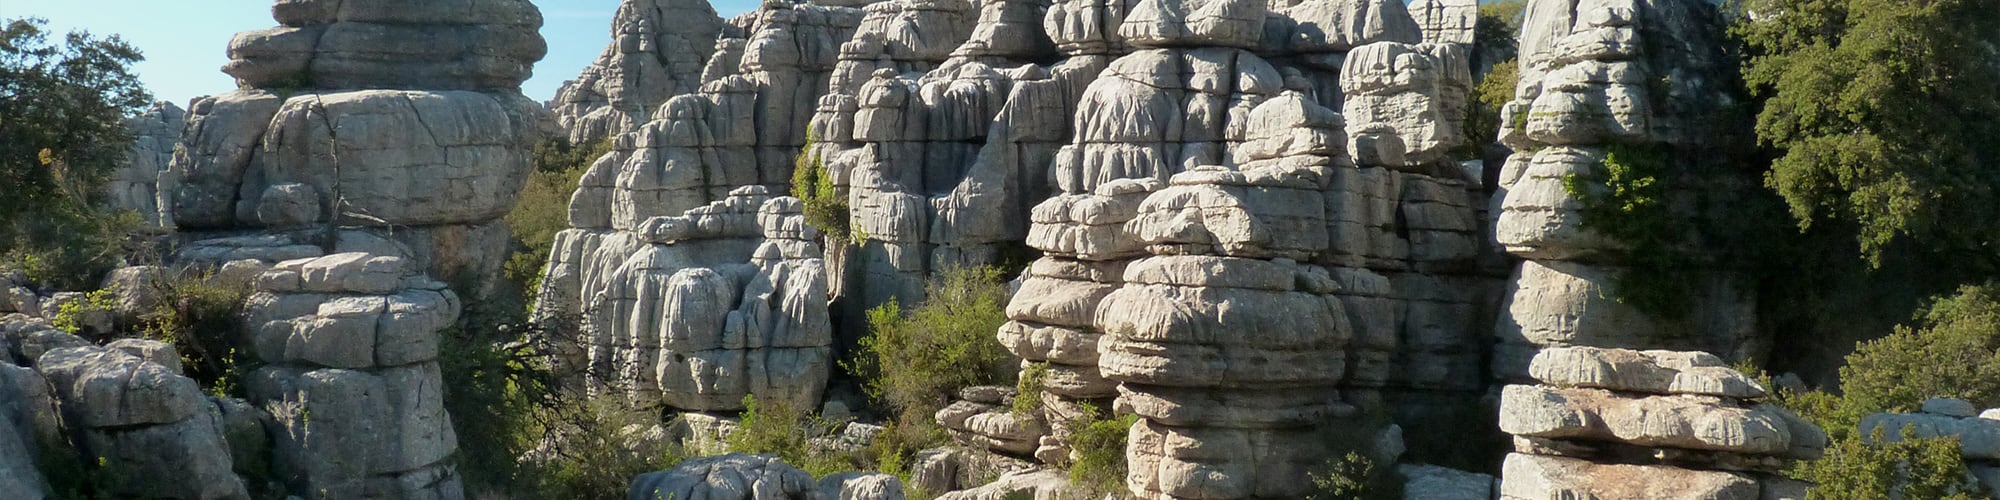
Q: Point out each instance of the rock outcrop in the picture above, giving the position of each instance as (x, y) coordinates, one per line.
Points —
(146, 430)
(1587, 91)
(350, 343)
(658, 50)
(1613, 423)
(724, 301)
(318, 140)
(136, 185)
(758, 477)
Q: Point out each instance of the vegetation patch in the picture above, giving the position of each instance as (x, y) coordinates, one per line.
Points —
(913, 361)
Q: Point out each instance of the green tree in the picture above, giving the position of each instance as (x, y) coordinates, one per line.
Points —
(1883, 113)
(1953, 350)
(543, 210)
(62, 108)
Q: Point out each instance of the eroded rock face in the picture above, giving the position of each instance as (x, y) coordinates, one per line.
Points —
(1588, 92)
(727, 477)
(461, 45)
(658, 51)
(152, 425)
(352, 380)
(321, 133)
(136, 186)
(1622, 423)
(724, 301)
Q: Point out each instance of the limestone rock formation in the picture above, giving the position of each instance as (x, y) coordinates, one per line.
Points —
(983, 416)
(351, 345)
(1587, 91)
(759, 477)
(698, 310)
(319, 134)
(1615, 423)
(658, 50)
(121, 411)
(135, 186)
(1447, 21)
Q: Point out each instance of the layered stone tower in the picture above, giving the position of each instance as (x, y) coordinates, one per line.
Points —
(1616, 423)
(316, 147)
(1598, 78)
(1635, 81)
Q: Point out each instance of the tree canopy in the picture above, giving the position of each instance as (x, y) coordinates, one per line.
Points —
(1884, 114)
(62, 108)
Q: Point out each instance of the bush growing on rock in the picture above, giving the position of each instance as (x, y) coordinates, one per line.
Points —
(825, 207)
(776, 428)
(1953, 350)
(199, 314)
(912, 362)
(1098, 451)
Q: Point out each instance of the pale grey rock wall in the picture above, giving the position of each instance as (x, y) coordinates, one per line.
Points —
(135, 185)
(320, 134)
(350, 343)
(658, 51)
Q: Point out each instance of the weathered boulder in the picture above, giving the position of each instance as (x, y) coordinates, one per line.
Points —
(726, 477)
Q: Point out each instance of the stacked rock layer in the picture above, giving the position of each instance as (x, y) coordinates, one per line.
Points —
(724, 301)
(320, 135)
(124, 408)
(1600, 78)
(1615, 423)
(351, 380)
(1205, 137)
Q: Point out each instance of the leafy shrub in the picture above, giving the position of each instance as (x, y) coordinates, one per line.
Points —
(200, 316)
(62, 137)
(1910, 468)
(1952, 351)
(913, 362)
(1628, 200)
(1028, 391)
(1353, 476)
(72, 316)
(543, 210)
(825, 207)
(1482, 117)
(1098, 449)
(776, 428)
(589, 452)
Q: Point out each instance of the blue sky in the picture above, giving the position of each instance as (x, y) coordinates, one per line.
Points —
(185, 40)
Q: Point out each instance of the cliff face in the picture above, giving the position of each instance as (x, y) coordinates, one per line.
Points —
(1249, 217)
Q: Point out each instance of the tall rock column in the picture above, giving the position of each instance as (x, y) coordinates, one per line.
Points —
(1603, 78)
(1229, 349)
(1642, 82)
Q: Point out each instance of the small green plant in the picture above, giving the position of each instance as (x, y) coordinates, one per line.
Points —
(825, 207)
(591, 452)
(1028, 392)
(73, 316)
(1909, 468)
(913, 362)
(199, 315)
(543, 210)
(1098, 450)
(1628, 200)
